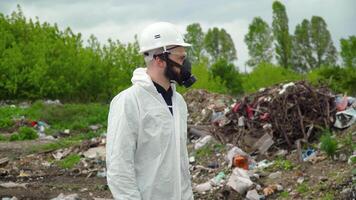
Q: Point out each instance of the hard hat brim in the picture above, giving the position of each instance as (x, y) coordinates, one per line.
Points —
(184, 44)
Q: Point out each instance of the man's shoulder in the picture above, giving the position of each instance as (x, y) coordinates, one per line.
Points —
(125, 95)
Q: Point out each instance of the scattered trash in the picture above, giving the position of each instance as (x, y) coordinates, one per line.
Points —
(213, 165)
(263, 164)
(232, 153)
(216, 181)
(316, 158)
(202, 142)
(96, 152)
(308, 154)
(281, 153)
(341, 103)
(203, 187)
(345, 118)
(95, 127)
(343, 157)
(23, 174)
(272, 189)
(61, 153)
(191, 159)
(285, 86)
(264, 143)
(240, 161)
(101, 174)
(300, 180)
(67, 197)
(13, 185)
(52, 102)
(253, 195)
(275, 175)
(9, 198)
(239, 180)
(4, 161)
(351, 160)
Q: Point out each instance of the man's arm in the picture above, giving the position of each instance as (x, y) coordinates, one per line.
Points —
(121, 147)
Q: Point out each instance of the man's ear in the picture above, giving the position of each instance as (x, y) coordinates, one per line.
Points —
(161, 63)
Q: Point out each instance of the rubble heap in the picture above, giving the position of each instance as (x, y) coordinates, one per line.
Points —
(202, 104)
(280, 114)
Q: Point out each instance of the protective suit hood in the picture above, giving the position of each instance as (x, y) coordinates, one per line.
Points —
(141, 78)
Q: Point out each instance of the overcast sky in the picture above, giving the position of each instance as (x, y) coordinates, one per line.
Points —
(122, 19)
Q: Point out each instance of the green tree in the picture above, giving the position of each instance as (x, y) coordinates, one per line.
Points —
(228, 74)
(37, 60)
(322, 43)
(348, 51)
(195, 36)
(302, 54)
(281, 34)
(219, 45)
(259, 42)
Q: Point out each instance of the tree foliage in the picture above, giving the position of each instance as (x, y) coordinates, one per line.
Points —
(321, 42)
(312, 45)
(348, 51)
(228, 74)
(283, 42)
(219, 45)
(302, 54)
(259, 42)
(195, 36)
(37, 60)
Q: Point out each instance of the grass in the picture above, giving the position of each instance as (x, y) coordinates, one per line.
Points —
(302, 188)
(209, 149)
(69, 161)
(328, 196)
(76, 117)
(348, 143)
(3, 138)
(281, 163)
(65, 142)
(284, 195)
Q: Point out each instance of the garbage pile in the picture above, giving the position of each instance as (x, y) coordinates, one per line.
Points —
(204, 106)
(277, 115)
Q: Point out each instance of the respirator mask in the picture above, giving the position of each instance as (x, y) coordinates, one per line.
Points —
(185, 78)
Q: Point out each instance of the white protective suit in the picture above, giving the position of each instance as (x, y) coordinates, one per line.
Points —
(146, 152)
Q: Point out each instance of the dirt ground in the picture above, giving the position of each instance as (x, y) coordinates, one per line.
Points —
(325, 179)
(43, 181)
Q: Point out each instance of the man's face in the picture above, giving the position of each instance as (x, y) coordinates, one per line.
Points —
(178, 55)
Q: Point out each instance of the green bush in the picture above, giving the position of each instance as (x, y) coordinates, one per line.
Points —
(7, 114)
(338, 79)
(265, 75)
(27, 133)
(14, 137)
(229, 76)
(328, 143)
(24, 133)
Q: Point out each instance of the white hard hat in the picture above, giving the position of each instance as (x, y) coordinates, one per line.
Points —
(160, 34)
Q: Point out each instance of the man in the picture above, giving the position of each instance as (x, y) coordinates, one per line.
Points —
(146, 151)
